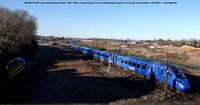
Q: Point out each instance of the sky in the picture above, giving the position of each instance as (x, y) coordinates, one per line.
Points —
(125, 21)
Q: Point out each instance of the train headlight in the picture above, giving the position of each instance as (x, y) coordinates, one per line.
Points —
(181, 85)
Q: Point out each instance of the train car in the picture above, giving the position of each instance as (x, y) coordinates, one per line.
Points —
(155, 70)
(71, 46)
(103, 56)
(75, 47)
(180, 81)
(91, 52)
(84, 50)
(149, 68)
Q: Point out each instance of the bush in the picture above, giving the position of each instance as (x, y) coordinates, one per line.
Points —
(194, 43)
(17, 34)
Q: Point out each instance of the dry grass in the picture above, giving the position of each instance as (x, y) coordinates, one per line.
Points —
(178, 54)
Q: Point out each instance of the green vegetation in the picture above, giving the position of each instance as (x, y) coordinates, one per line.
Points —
(194, 43)
(183, 43)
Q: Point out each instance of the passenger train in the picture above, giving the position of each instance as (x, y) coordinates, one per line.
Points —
(146, 67)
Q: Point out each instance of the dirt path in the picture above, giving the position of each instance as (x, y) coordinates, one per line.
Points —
(71, 78)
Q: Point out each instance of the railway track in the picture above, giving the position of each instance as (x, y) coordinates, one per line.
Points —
(174, 96)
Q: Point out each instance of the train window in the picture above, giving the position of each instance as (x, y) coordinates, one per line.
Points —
(122, 61)
(134, 64)
(177, 72)
(125, 62)
(129, 63)
(144, 67)
(161, 71)
(138, 65)
(107, 56)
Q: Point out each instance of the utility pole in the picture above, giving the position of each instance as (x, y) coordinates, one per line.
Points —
(121, 51)
(144, 81)
(113, 60)
(93, 50)
(82, 42)
(93, 54)
(109, 62)
(166, 76)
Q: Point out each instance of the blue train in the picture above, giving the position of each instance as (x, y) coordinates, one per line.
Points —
(149, 68)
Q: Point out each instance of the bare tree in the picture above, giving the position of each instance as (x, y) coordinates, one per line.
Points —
(17, 33)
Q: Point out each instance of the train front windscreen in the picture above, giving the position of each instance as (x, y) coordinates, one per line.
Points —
(177, 72)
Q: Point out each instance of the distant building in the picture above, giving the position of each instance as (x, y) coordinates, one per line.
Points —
(136, 42)
(188, 43)
(87, 40)
(124, 45)
(147, 42)
(51, 37)
(40, 41)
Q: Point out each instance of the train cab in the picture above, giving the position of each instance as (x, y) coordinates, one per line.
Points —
(181, 82)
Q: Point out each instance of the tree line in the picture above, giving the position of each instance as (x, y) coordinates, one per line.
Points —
(17, 34)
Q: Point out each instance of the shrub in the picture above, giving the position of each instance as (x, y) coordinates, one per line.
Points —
(17, 34)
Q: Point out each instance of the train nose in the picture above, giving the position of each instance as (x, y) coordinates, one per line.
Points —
(184, 85)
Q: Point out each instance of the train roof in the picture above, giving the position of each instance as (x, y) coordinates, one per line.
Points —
(138, 58)
(142, 59)
(85, 47)
(147, 60)
(102, 51)
(134, 57)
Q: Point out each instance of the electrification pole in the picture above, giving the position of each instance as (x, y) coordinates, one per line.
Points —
(93, 50)
(166, 76)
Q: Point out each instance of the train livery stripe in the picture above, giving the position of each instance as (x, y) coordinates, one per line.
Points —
(17, 72)
(16, 69)
(15, 66)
